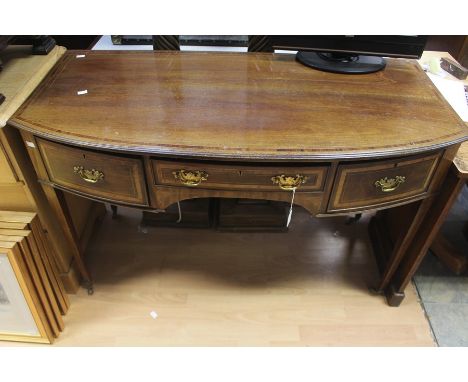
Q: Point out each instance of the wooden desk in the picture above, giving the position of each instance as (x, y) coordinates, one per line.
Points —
(155, 128)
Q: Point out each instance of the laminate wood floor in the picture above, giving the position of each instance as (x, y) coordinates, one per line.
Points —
(307, 287)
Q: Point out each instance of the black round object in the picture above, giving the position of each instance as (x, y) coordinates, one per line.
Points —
(341, 63)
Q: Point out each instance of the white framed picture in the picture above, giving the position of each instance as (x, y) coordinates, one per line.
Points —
(21, 315)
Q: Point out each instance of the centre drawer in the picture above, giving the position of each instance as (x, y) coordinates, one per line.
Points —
(255, 177)
(107, 176)
(368, 185)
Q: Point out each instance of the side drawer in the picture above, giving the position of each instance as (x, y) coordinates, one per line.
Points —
(107, 176)
(367, 185)
(255, 177)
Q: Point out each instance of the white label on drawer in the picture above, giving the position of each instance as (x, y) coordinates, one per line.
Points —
(81, 92)
(30, 144)
(80, 55)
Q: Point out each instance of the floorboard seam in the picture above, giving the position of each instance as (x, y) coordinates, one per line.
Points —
(421, 302)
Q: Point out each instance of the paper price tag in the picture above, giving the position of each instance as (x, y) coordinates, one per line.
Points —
(291, 208)
(154, 314)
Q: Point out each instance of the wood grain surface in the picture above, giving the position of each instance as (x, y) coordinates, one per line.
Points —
(308, 287)
(123, 178)
(237, 177)
(231, 105)
(355, 184)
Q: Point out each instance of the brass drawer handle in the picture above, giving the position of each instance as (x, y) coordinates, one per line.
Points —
(289, 183)
(190, 178)
(90, 176)
(389, 185)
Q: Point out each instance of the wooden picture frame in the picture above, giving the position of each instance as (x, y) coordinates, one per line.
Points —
(22, 316)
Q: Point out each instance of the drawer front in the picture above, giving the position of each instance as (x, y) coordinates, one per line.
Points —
(359, 186)
(242, 177)
(106, 176)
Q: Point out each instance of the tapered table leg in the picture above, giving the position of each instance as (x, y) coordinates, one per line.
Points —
(428, 230)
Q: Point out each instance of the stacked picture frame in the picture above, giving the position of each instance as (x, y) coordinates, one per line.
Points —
(32, 296)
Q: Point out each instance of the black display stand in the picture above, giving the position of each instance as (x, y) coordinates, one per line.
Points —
(341, 63)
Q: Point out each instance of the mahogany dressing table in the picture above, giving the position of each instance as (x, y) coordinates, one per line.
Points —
(148, 129)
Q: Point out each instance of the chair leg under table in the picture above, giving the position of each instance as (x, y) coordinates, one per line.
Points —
(449, 254)
(114, 211)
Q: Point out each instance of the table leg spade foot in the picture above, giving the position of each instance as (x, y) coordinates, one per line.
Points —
(89, 286)
(394, 298)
